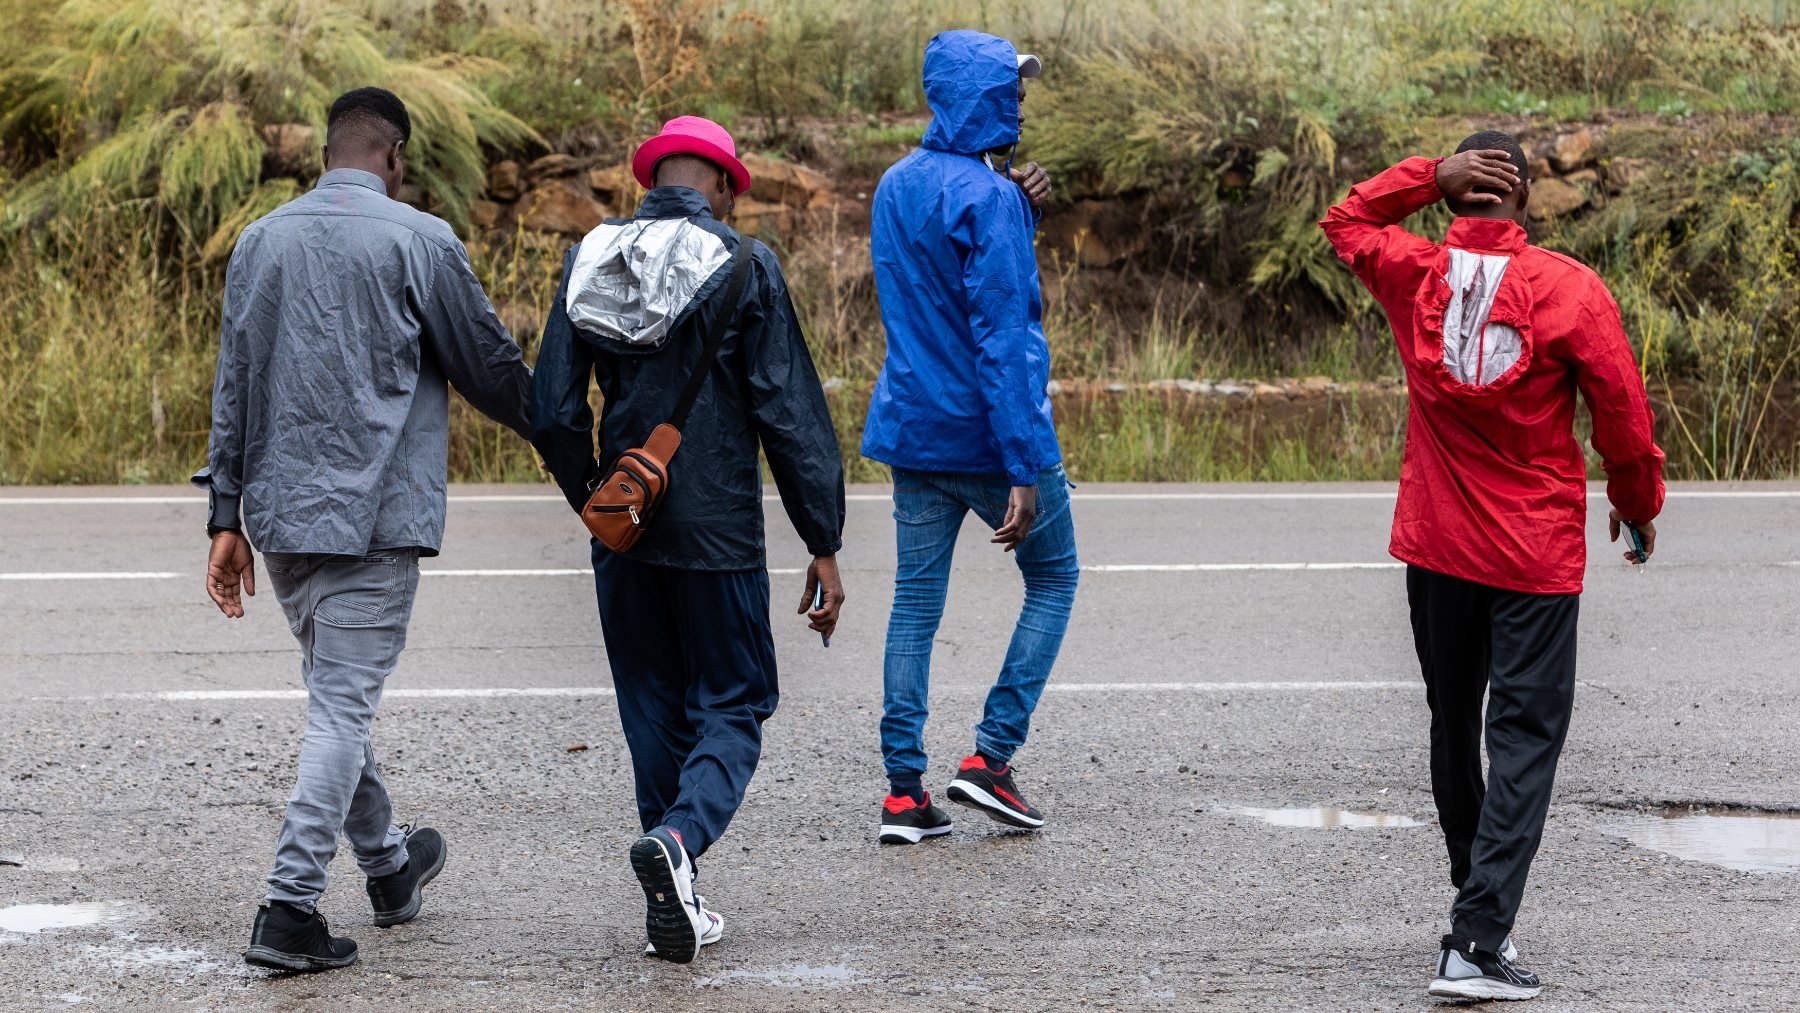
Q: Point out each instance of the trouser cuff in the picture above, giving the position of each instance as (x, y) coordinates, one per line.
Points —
(1487, 934)
(989, 748)
(693, 838)
(302, 901)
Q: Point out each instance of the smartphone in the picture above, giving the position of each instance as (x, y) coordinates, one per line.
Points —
(819, 603)
(1637, 543)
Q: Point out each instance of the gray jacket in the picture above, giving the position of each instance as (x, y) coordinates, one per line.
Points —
(345, 315)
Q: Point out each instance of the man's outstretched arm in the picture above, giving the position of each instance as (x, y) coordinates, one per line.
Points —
(479, 357)
(562, 423)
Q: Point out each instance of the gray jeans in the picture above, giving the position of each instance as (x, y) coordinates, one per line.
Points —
(349, 614)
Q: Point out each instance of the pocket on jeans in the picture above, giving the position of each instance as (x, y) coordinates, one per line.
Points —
(362, 606)
(917, 500)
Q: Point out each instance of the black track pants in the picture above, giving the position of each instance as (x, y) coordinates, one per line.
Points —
(1520, 649)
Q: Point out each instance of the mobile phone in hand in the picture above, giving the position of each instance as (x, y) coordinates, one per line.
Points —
(819, 603)
(1637, 544)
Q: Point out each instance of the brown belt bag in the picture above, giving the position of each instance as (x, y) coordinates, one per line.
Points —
(628, 494)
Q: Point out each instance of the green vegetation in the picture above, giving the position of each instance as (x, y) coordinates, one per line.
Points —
(138, 137)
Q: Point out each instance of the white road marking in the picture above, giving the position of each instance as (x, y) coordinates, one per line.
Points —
(776, 572)
(1233, 567)
(1224, 687)
(117, 575)
(884, 497)
(513, 692)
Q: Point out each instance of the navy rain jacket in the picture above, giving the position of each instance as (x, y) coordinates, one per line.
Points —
(642, 293)
(964, 387)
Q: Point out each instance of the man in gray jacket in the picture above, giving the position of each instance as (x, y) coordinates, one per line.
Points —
(346, 315)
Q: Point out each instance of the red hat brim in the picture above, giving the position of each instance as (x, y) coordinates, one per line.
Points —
(654, 150)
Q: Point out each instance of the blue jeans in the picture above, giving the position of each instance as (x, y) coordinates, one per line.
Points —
(928, 512)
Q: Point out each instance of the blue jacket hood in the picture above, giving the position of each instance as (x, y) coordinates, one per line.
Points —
(972, 86)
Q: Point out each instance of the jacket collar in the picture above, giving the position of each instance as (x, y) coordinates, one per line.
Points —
(355, 177)
(674, 202)
(1497, 234)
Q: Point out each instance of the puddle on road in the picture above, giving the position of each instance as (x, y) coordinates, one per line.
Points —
(798, 976)
(120, 958)
(1748, 841)
(33, 918)
(1319, 817)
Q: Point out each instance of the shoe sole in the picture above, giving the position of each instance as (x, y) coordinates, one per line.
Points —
(389, 919)
(976, 797)
(909, 835)
(298, 963)
(1481, 988)
(666, 920)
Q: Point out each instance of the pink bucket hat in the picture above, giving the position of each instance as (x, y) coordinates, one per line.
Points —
(690, 135)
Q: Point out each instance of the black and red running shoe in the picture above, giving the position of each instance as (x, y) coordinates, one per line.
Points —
(979, 786)
(904, 821)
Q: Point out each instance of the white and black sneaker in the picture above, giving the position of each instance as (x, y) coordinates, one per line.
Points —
(1464, 972)
(712, 933)
(675, 917)
(905, 820)
(1507, 949)
(991, 791)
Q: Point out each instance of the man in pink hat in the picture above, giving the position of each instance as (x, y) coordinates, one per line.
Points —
(683, 321)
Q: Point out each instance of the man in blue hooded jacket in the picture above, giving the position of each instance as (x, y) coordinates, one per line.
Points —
(962, 415)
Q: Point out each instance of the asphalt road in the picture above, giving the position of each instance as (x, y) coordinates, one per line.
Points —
(147, 744)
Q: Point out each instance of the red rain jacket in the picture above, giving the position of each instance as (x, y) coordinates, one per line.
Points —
(1496, 336)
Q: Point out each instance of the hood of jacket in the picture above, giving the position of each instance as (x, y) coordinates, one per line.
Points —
(1475, 337)
(633, 279)
(972, 87)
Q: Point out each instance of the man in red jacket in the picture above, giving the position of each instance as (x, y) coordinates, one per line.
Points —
(1496, 336)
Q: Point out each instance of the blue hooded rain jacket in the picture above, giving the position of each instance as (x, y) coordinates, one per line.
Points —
(964, 386)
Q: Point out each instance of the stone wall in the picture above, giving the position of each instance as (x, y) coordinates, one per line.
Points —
(568, 195)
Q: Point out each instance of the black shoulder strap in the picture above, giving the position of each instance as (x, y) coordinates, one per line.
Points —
(715, 336)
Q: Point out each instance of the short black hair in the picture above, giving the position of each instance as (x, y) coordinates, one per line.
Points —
(680, 161)
(1497, 140)
(376, 110)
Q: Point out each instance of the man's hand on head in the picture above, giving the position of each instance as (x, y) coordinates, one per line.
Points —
(230, 573)
(1034, 181)
(1459, 176)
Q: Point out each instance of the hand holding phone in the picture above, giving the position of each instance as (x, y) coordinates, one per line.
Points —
(1642, 537)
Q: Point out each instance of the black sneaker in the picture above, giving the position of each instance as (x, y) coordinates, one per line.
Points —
(1464, 972)
(904, 821)
(993, 792)
(396, 897)
(287, 938)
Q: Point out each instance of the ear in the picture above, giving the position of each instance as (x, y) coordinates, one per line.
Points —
(396, 155)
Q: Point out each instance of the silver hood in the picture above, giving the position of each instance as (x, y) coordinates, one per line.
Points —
(632, 280)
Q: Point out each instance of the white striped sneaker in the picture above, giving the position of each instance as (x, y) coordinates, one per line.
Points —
(1464, 972)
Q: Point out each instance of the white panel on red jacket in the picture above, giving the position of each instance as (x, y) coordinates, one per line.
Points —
(632, 280)
(1475, 350)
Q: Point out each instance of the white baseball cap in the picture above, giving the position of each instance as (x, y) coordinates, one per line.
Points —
(1029, 65)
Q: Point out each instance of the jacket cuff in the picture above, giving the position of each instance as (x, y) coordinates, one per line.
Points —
(825, 548)
(223, 511)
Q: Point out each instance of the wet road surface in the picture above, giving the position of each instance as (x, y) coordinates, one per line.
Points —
(1232, 759)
